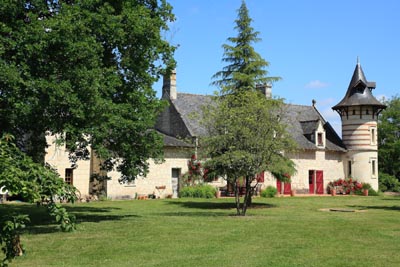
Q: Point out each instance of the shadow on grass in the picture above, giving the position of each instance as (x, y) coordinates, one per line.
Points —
(396, 208)
(217, 205)
(215, 209)
(41, 222)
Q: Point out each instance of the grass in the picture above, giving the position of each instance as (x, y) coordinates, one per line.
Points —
(188, 232)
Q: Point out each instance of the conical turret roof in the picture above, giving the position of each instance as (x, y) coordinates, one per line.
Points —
(359, 92)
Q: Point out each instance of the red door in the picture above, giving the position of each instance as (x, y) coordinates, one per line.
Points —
(311, 182)
(287, 187)
(320, 182)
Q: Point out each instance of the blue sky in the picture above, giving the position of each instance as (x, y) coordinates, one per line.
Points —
(313, 45)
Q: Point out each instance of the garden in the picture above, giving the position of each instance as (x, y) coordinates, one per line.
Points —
(280, 231)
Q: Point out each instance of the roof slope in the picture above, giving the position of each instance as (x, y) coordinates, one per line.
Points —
(302, 120)
(359, 92)
(190, 107)
(170, 141)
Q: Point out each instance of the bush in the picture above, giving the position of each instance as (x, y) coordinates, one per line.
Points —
(372, 192)
(388, 183)
(270, 191)
(198, 191)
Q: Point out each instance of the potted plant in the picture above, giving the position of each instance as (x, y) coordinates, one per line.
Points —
(332, 188)
(365, 188)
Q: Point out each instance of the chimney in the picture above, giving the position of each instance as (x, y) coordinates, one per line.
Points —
(169, 86)
(266, 89)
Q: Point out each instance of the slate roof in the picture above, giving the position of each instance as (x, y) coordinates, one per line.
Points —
(302, 120)
(190, 108)
(359, 92)
(170, 141)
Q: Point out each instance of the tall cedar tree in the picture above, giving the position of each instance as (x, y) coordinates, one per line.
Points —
(389, 138)
(246, 136)
(83, 70)
(246, 68)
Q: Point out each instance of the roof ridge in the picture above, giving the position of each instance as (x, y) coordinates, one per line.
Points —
(180, 93)
(299, 105)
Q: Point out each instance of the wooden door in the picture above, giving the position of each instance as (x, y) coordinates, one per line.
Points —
(287, 187)
(319, 181)
(311, 182)
(279, 186)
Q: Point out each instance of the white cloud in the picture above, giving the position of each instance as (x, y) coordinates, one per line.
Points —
(316, 84)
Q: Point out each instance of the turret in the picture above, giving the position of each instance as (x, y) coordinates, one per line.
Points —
(359, 111)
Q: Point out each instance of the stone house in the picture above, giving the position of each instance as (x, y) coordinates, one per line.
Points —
(322, 156)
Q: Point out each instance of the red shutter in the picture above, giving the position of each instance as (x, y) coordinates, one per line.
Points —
(260, 177)
(320, 182)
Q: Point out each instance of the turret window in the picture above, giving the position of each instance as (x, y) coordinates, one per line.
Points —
(373, 167)
(349, 168)
(372, 131)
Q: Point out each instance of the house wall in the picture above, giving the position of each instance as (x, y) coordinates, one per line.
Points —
(57, 157)
(361, 164)
(159, 175)
(331, 163)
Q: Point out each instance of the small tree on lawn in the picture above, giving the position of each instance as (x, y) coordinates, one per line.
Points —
(246, 136)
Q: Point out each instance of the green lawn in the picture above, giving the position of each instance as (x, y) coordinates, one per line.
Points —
(186, 232)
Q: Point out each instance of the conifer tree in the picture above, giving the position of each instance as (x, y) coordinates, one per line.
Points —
(246, 136)
(246, 68)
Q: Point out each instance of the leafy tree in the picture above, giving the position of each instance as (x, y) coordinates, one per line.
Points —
(83, 71)
(246, 68)
(389, 139)
(35, 183)
(246, 136)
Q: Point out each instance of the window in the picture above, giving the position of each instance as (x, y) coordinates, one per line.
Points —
(320, 139)
(373, 135)
(69, 176)
(354, 112)
(373, 167)
(349, 168)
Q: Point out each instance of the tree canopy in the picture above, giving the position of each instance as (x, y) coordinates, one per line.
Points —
(389, 139)
(83, 70)
(245, 135)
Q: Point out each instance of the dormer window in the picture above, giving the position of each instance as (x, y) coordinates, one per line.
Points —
(320, 139)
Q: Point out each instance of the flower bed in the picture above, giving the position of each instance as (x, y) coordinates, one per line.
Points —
(347, 186)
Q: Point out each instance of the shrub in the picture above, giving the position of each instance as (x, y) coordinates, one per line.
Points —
(372, 192)
(388, 183)
(346, 186)
(198, 191)
(270, 191)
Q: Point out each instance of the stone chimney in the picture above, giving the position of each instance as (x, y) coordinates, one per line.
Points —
(266, 89)
(169, 86)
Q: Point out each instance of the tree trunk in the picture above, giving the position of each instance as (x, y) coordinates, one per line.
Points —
(237, 198)
(247, 196)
